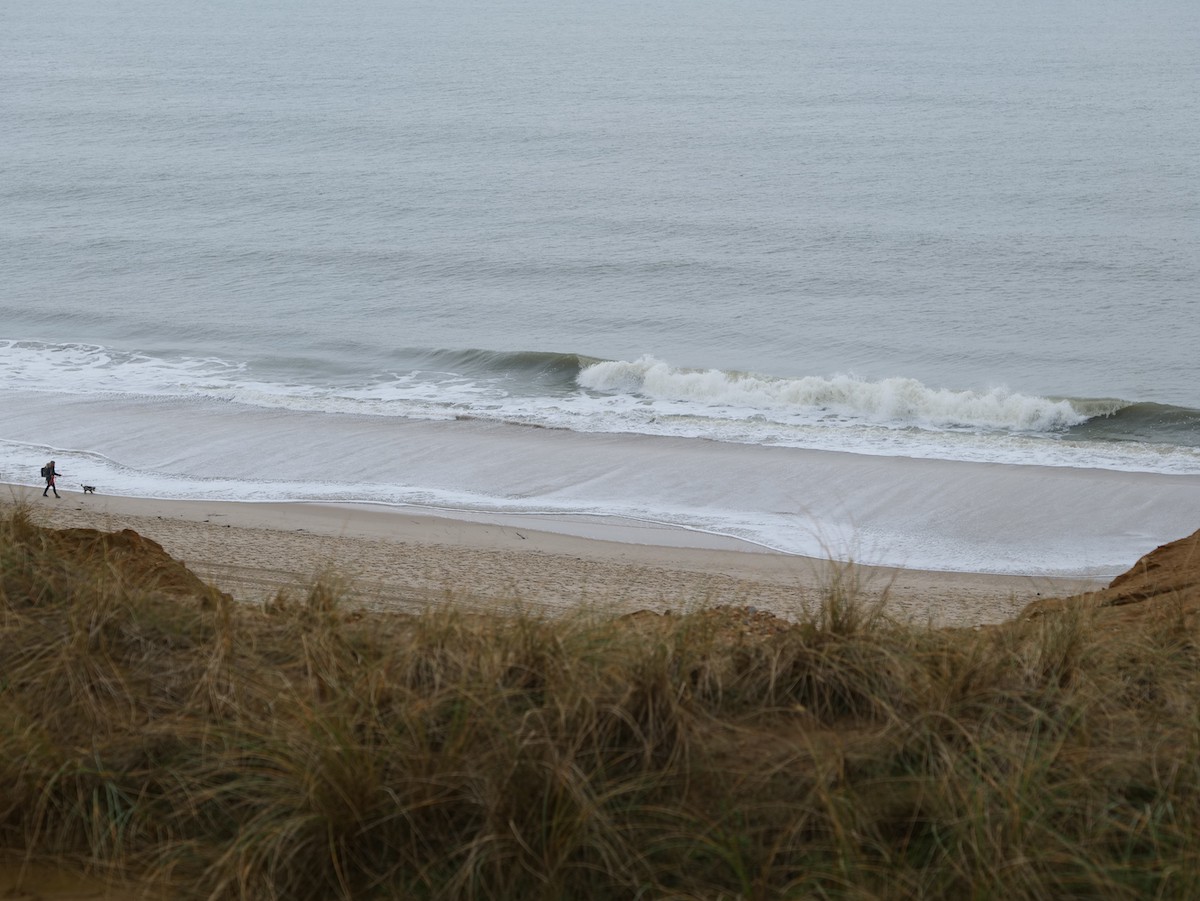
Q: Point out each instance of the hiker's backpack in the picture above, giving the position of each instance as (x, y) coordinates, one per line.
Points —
(45, 472)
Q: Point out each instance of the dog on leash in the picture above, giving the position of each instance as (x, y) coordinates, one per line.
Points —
(88, 489)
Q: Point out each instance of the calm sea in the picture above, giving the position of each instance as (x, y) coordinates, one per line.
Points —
(912, 282)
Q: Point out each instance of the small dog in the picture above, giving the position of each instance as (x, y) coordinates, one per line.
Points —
(88, 489)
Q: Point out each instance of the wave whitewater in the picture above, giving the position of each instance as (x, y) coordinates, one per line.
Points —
(895, 401)
(646, 395)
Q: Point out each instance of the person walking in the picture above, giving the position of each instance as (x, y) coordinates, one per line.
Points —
(51, 475)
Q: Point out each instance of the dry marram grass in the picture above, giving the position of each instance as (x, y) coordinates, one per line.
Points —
(300, 750)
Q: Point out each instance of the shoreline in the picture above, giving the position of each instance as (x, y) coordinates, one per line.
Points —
(399, 559)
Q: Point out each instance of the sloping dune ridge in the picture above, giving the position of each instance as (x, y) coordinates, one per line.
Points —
(1164, 582)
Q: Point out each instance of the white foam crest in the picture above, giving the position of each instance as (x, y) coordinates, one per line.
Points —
(903, 402)
(90, 369)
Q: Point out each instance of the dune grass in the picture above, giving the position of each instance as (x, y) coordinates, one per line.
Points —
(302, 750)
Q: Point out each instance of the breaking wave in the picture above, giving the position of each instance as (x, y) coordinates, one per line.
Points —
(896, 416)
(903, 402)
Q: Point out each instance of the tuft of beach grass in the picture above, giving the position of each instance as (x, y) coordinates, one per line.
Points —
(305, 750)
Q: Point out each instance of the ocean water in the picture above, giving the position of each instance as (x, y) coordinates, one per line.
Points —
(910, 283)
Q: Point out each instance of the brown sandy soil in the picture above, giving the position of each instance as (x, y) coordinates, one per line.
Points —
(1165, 583)
(397, 560)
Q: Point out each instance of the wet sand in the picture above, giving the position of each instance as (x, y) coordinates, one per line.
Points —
(401, 559)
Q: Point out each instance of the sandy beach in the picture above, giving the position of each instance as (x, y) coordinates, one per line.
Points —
(401, 559)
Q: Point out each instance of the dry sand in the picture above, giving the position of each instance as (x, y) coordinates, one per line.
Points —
(399, 559)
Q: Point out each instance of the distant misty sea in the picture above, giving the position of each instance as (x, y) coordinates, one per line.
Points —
(910, 283)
